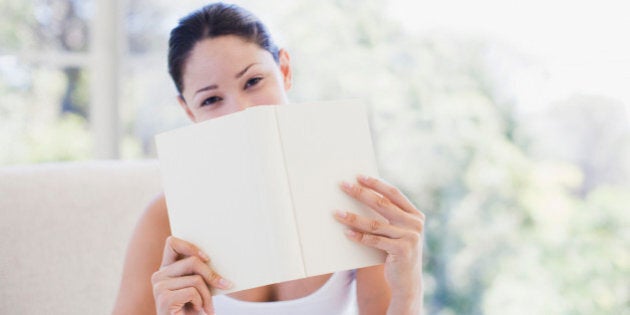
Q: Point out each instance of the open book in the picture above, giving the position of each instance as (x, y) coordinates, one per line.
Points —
(256, 190)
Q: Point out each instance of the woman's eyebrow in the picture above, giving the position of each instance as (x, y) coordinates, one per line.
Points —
(214, 86)
(240, 74)
(209, 87)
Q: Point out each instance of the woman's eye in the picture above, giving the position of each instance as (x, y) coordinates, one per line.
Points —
(251, 82)
(210, 100)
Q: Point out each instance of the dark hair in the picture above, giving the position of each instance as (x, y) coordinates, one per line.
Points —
(213, 20)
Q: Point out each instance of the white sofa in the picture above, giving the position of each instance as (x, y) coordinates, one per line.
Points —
(64, 229)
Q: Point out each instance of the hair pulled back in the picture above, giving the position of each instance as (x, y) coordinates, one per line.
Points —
(213, 20)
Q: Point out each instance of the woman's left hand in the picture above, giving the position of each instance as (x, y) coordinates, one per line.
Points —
(400, 237)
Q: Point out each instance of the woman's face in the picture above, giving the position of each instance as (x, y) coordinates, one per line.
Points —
(227, 74)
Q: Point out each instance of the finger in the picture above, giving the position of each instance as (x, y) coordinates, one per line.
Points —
(397, 247)
(372, 226)
(176, 300)
(191, 266)
(375, 201)
(175, 248)
(383, 243)
(179, 283)
(390, 192)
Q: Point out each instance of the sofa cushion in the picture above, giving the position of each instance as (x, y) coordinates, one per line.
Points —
(64, 228)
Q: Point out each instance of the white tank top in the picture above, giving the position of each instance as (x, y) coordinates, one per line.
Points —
(336, 297)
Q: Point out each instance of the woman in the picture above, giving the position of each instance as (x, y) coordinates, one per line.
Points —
(223, 60)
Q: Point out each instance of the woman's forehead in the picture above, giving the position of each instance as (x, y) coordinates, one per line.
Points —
(224, 48)
(224, 53)
(222, 58)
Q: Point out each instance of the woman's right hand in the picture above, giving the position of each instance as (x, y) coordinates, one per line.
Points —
(183, 282)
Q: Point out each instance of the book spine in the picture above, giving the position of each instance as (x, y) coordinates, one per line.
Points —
(288, 183)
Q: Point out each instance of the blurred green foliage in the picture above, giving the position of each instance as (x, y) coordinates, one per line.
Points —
(527, 214)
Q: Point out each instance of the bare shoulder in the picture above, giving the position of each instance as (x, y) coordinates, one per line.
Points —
(373, 292)
(154, 221)
(143, 258)
(150, 233)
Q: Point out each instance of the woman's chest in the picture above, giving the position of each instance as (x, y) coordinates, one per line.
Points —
(284, 291)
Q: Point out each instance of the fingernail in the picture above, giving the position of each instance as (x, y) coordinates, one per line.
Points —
(203, 256)
(225, 284)
(346, 185)
(363, 178)
(341, 214)
(351, 233)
